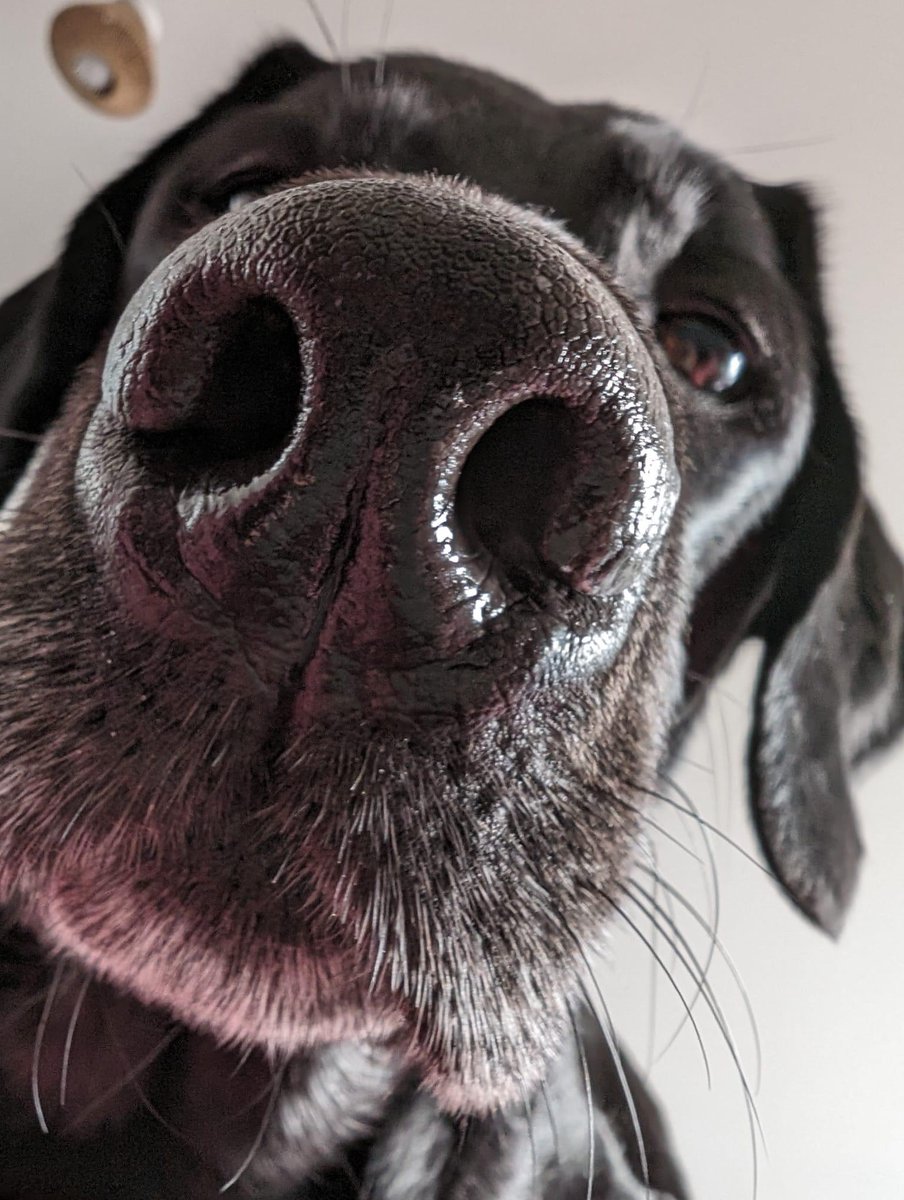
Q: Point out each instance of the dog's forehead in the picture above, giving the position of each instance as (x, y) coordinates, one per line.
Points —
(629, 184)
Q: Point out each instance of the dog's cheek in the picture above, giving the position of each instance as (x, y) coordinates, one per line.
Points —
(589, 765)
(37, 516)
(55, 666)
(86, 725)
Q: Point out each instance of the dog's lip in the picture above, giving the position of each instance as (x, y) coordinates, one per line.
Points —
(326, 996)
(322, 1001)
(153, 919)
(288, 1017)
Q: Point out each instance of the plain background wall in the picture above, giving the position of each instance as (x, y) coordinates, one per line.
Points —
(786, 89)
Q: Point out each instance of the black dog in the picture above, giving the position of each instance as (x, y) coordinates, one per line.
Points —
(416, 451)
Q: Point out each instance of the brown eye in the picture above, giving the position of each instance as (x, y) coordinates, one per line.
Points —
(707, 352)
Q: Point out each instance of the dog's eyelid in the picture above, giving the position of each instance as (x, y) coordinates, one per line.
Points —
(704, 307)
(211, 184)
(246, 181)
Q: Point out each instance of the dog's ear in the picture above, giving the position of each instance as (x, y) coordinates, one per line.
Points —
(822, 587)
(53, 323)
(830, 688)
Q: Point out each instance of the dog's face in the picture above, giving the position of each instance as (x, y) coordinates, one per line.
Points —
(416, 451)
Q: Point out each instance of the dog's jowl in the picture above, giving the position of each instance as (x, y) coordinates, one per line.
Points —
(401, 456)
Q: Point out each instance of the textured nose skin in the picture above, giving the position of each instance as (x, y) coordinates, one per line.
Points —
(362, 417)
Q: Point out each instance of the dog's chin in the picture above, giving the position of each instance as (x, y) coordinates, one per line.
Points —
(446, 927)
(265, 975)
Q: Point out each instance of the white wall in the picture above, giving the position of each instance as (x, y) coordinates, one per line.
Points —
(803, 89)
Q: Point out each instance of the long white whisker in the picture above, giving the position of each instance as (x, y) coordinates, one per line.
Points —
(39, 1046)
(332, 45)
(70, 1034)
(588, 1095)
(383, 44)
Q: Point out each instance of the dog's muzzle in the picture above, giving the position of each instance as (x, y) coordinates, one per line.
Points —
(371, 427)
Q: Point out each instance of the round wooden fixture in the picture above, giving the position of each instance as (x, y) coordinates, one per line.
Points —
(104, 53)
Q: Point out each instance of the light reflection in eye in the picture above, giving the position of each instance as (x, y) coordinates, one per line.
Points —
(239, 199)
(705, 351)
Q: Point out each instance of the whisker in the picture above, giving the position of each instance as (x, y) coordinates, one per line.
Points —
(715, 898)
(73, 820)
(718, 698)
(691, 963)
(654, 974)
(39, 1045)
(145, 1099)
(606, 1028)
(278, 1078)
(343, 28)
(12, 1016)
(710, 885)
(699, 975)
(653, 1056)
(713, 684)
(383, 44)
(702, 821)
(654, 931)
(609, 1037)
(791, 144)
(103, 210)
(332, 46)
(70, 1034)
(692, 966)
(553, 1126)
(528, 1119)
(692, 762)
(672, 981)
(706, 722)
(639, 812)
(133, 1073)
(663, 832)
(588, 1096)
(697, 916)
(697, 94)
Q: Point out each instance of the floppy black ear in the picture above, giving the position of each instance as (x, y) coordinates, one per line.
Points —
(830, 688)
(53, 323)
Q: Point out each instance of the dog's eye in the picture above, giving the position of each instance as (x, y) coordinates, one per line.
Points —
(707, 352)
(235, 192)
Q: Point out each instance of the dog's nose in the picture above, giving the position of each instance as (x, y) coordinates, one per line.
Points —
(377, 410)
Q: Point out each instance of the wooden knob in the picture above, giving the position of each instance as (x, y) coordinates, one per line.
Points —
(104, 53)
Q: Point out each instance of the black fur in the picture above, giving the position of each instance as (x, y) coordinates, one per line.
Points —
(318, 929)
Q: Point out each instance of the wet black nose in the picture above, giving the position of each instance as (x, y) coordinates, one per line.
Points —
(370, 413)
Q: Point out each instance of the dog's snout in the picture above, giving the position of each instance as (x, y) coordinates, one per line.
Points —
(376, 410)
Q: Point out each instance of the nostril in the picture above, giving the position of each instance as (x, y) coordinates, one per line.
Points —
(245, 405)
(513, 483)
